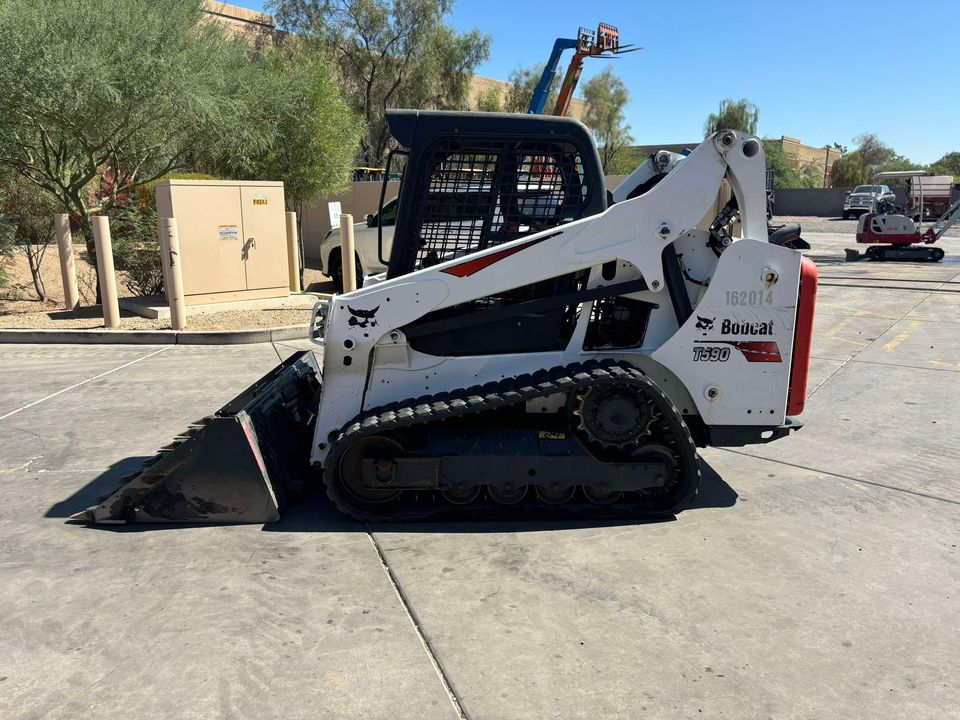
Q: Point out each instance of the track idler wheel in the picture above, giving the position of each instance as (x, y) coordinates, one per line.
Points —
(381, 452)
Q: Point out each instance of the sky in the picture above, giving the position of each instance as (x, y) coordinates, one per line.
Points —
(822, 72)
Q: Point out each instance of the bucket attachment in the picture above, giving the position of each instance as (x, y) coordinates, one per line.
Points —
(237, 466)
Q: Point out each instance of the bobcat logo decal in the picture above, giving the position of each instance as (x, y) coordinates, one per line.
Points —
(705, 324)
(363, 318)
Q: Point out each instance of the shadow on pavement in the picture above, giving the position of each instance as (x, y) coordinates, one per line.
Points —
(94, 491)
(317, 514)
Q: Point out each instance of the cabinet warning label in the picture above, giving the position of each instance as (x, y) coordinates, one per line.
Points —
(229, 232)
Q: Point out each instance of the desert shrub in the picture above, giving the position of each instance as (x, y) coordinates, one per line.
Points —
(133, 226)
(136, 251)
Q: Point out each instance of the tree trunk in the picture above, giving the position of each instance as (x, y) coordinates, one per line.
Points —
(33, 260)
(86, 227)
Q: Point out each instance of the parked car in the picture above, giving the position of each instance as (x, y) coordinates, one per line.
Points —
(365, 241)
(863, 198)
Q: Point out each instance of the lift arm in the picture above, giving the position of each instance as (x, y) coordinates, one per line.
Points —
(538, 102)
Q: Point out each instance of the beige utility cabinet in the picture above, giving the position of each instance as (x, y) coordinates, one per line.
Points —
(233, 242)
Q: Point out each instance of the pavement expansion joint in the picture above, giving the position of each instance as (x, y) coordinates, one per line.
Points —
(840, 476)
(418, 629)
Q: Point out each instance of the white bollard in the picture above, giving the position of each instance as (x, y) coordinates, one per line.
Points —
(347, 255)
(68, 270)
(170, 250)
(293, 252)
(108, 278)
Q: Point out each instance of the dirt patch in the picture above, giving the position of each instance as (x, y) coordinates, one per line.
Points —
(20, 308)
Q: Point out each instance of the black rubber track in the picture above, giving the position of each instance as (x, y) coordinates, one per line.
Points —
(417, 505)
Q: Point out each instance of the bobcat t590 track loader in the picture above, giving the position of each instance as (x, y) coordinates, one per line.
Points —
(538, 346)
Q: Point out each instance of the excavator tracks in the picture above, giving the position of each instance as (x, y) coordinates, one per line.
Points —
(370, 443)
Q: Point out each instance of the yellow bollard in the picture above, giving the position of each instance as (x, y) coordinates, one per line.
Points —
(346, 254)
(293, 252)
(68, 271)
(108, 278)
(170, 250)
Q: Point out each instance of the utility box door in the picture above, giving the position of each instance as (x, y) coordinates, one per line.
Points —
(210, 225)
(265, 249)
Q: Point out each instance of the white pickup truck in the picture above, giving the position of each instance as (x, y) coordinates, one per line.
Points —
(864, 198)
(365, 244)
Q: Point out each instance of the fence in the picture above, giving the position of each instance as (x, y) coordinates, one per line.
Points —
(824, 202)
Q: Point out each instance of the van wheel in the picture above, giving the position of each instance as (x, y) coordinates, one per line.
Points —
(336, 271)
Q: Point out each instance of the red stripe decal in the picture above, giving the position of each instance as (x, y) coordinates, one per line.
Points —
(470, 267)
(758, 350)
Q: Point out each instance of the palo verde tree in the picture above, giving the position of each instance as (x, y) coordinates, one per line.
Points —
(98, 98)
(313, 134)
(739, 115)
(607, 99)
(390, 53)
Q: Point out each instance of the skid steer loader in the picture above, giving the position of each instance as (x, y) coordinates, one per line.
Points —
(538, 347)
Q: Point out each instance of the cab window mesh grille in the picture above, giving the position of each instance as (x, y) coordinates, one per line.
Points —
(484, 193)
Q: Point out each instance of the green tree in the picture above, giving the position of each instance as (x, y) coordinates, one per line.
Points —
(788, 171)
(314, 133)
(390, 53)
(98, 98)
(856, 168)
(523, 81)
(490, 100)
(26, 222)
(739, 115)
(949, 164)
(607, 99)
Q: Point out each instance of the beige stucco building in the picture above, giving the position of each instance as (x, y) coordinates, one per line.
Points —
(822, 157)
(259, 29)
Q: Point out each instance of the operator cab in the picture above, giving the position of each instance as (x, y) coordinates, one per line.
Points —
(476, 180)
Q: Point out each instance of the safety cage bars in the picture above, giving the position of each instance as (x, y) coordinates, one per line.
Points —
(482, 193)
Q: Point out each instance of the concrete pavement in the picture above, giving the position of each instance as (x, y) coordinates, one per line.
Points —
(818, 576)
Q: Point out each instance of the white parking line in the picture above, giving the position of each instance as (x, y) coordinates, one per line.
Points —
(83, 382)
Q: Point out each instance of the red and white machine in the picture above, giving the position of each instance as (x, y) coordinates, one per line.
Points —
(892, 235)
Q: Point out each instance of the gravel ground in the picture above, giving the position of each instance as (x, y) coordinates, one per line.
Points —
(19, 307)
(835, 225)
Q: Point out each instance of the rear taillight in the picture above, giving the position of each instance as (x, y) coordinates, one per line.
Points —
(802, 337)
